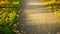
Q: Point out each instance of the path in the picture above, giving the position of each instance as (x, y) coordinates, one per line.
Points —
(38, 19)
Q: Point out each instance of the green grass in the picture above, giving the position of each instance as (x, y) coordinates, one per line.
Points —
(8, 16)
(7, 19)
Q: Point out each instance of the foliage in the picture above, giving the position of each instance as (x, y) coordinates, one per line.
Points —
(8, 15)
(10, 3)
(54, 5)
(7, 19)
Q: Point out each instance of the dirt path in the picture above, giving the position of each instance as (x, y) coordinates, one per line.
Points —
(38, 19)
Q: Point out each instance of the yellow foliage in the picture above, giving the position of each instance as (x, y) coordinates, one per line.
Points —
(2, 2)
(9, 2)
(57, 13)
(51, 4)
(45, 2)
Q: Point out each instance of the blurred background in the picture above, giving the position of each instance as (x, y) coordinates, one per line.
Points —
(29, 16)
